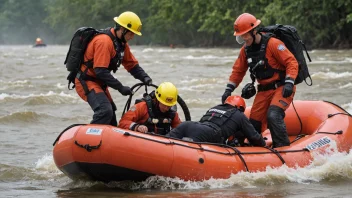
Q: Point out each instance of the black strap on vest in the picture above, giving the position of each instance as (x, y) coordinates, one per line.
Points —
(114, 64)
(215, 119)
(155, 121)
(261, 60)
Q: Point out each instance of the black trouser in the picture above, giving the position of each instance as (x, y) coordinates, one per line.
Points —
(104, 110)
(277, 126)
(196, 131)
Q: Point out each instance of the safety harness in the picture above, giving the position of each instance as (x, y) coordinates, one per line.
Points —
(259, 66)
(114, 64)
(217, 118)
(158, 122)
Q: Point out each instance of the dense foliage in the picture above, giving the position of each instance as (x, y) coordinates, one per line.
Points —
(321, 23)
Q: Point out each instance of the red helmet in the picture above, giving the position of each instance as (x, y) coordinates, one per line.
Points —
(236, 101)
(245, 23)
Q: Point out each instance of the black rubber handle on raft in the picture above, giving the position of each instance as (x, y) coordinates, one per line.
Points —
(137, 86)
(88, 147)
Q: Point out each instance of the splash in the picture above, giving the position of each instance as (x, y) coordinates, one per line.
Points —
(330, 166)
(46, 166)
(348, 107)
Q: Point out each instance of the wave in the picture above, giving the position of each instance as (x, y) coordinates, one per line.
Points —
(331, 75)
(39, 99)
(207, 57)
(38, 77)
(148, 50)
(44, 169)
(24, 116)
(14, 84)
(347, 107)
(324, 168)
(33, 117)
(348, 85)
(13, 173)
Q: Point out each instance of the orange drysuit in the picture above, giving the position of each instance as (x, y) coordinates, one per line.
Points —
(101, 50)
(278, 57)
(138, 115)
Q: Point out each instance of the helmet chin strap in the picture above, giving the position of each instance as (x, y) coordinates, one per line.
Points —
(124, 32)
(253, 36)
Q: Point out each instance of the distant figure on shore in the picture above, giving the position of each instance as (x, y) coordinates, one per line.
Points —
(39, 43)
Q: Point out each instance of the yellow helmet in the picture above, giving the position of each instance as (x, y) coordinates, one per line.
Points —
(130, 21)
(167, 93)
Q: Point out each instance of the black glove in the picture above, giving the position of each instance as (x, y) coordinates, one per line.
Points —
(125, 90)
(248, 91)
(229, 89)
(287, 90)
(226, 94)
(147, 80)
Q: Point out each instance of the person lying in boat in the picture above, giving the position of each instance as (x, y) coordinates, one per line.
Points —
(154, 113)
(219, 123)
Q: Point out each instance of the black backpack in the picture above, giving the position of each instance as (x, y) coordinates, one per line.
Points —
(289, 36)
(75, 54)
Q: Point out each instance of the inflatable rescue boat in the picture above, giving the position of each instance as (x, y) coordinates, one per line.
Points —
(106, 153)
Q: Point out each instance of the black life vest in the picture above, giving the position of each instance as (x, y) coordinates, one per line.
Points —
(221, 118)
(158, 122)
(257, 61)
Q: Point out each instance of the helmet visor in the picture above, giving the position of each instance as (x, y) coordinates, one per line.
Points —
(239, 40)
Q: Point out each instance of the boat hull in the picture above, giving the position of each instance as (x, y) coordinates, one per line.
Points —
(107, 153)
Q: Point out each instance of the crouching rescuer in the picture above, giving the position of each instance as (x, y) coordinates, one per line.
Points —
(155, 112)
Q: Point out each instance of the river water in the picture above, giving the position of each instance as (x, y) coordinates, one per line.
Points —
(35, 106)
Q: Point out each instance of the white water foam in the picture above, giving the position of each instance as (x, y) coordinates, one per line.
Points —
(14, 84)
(348, 85)
(348, 107)
(205, 57)
(331, 75)
(324, 167)
(46, 165)
(147, 50)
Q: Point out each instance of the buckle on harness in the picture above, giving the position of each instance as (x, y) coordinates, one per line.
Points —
(276, 85)
(78, 75)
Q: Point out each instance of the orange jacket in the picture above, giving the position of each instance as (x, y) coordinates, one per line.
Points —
(101, 50)
(277, 59)
(138, 114)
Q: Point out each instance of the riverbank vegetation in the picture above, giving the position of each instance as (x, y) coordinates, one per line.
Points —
(190, 23)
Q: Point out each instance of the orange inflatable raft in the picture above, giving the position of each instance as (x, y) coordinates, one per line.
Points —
(107, 153)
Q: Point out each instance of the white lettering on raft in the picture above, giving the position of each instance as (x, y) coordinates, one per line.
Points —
(319, 143)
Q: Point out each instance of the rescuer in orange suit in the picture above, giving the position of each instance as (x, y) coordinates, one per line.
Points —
(105, 53)
(274, 67)
(154, 112)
